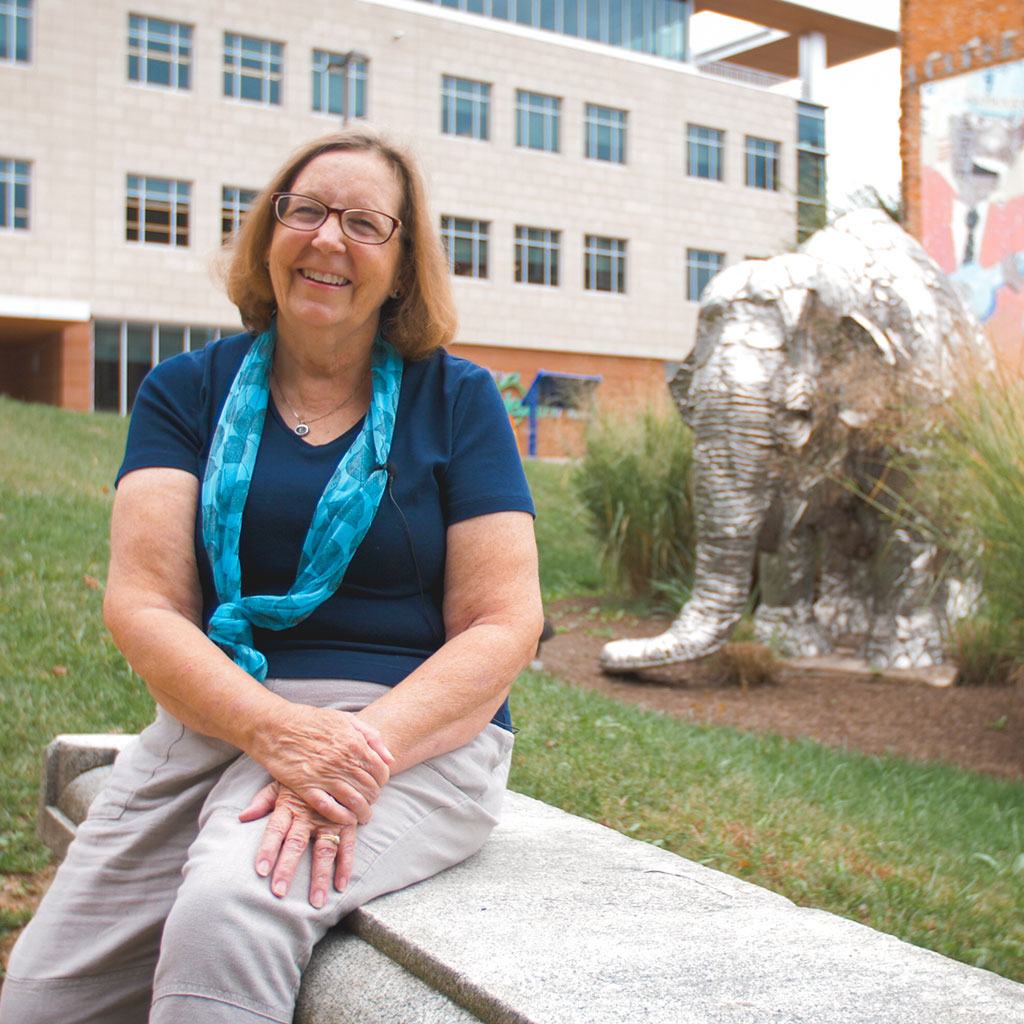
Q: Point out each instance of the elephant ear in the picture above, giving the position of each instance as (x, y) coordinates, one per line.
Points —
(679, 387)
(840, 370)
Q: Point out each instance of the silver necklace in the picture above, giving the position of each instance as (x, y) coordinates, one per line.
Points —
(302, 424)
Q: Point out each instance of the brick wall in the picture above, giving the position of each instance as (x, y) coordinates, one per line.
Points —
(960, 35)
(76, 368)
(627, 385)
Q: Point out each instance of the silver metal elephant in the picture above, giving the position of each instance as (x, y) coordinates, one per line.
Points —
(803, 372)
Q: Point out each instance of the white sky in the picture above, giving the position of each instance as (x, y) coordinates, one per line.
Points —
(863, 100)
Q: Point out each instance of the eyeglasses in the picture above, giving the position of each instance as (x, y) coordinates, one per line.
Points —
(303, 213)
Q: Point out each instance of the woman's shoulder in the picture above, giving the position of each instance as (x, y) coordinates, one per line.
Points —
(449, 374)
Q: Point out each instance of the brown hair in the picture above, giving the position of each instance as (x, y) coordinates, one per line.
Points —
(423, 316)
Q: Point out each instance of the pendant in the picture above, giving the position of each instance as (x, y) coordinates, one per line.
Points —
(302, 430)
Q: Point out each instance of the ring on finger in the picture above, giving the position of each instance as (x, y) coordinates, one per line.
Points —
(329, 837)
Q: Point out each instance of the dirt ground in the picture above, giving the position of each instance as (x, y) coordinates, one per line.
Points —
(979, 728)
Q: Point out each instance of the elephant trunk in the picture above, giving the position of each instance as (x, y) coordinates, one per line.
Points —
(733, 449)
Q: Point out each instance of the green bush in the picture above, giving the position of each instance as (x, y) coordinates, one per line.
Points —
(635, 484)
(967, 496)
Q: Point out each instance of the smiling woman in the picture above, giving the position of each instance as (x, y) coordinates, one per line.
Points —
(323, 567)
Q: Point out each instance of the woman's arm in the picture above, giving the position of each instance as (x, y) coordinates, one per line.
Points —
(493, 620)
(153, 609)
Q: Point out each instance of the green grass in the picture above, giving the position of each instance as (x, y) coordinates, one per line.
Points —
(924, 851)
(930, 853)
(570, 563)
(59, 671)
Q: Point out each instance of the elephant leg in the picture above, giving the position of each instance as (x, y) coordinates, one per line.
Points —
(907, 628)
(785, 617)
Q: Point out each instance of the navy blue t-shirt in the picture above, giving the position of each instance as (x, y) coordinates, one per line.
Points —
(453, 457)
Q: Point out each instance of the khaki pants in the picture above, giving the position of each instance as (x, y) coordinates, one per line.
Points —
(157, 912)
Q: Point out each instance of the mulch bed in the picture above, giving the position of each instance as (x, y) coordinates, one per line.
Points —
(978, 728)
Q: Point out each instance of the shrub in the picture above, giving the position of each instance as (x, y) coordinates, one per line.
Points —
(968, 497)
(745, 664)
(635, 485)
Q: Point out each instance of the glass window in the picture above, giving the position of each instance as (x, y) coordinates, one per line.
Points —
(650, 26)
(159, 52)
(157, 211)
(810, 175)
(537, 119)
(16, 31)
(140, 359)
(536, 255)
(705, 148)
(124, 353)
(234, 202)
(465, 107)
(339, 83)
(811, 126)
(106, 346)
(605, 134)
(171, 342)
(809, 218)
(701, 266)
(811, 182)
(252, 68)
(605, 264)
(762, 163)
(14, 187)
(465, 241)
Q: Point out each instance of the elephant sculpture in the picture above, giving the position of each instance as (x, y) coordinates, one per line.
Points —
(802, 373)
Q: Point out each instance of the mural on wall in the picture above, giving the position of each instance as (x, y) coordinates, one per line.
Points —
(972, 194)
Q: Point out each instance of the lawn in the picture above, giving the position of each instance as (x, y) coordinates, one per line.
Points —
(930, 853)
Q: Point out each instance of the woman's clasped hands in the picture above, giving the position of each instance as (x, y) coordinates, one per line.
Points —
(328, 768)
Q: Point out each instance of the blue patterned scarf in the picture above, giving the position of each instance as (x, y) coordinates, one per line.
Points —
(342, 517)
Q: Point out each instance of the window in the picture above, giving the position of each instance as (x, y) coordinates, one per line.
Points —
(762, 163)
(252, 68)
(537, 118)
(650, 26)
(234, 202)
(157, 211)
(14, 182)
(15, 31)
(705, 148)
(811, 126)
(701, 266)
(605, 264)
(465, 107)
(812, 203)
(123, 353)
(465, 241)
(339, 83)
(605, 134)
(159, 52)
(537, 255)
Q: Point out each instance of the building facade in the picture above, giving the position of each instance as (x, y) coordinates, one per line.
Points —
(587, 172)
(962, 147)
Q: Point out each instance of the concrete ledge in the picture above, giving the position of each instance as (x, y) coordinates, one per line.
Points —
(559, 920)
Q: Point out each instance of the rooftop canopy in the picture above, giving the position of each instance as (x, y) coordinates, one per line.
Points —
(845, 38)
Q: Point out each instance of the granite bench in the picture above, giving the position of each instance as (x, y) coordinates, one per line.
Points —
(560, 920)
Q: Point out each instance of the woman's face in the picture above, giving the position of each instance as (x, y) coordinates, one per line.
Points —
(360, 277)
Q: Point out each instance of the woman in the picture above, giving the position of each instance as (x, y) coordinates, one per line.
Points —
(331, 667)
